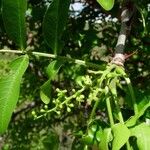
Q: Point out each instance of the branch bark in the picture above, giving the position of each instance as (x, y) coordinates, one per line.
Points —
(126, 20)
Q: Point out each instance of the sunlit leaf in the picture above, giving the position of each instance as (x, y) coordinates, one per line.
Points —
(9, 90)
(121, 135)
(13, 12)
(142, 133)
(54, 22)
(105, 139)
(106, 4)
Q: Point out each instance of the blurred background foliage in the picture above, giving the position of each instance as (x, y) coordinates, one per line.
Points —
(90, 35)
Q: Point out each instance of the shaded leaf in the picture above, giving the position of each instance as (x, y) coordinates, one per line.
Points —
(142, 133)
(45, 92)
(106, 4)
(9, 90)
(13, 12)
(52, 70)
(54, 22)
(121, 135)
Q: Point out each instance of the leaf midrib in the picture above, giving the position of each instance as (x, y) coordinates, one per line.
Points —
(20, 24)
(56, 29)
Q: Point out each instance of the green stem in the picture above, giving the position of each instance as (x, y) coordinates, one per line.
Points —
(132, 95)
(76, 61)
(118, 111)
(109, 111)
(93, 110)
(121, 120)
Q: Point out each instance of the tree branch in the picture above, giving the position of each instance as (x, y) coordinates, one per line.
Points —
(126, 19)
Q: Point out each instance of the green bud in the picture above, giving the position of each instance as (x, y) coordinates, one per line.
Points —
(57, 90)
(71, 105)
(58, 112)
(33, 113)
(68, 109)
(46, 106)
(42, 110)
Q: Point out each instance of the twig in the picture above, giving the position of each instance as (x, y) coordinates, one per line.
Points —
(76, 61)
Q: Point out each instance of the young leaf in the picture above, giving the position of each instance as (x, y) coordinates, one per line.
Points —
(121, 136)
(53, 68)
(9, 90)
(105, 139)
(52, 71)
(106, 4)
(45, 92)
(54, 23)
(13, 12)
(142, 133)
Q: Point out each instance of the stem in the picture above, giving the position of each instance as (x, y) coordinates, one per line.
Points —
(132, 95)
(118, 111)
(76, 61)
(93, 110)
(109, 111)
(121, 119)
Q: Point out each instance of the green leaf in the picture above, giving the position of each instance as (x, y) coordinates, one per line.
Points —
(45, 92)
(121, 135)
(105, 139)
(54, 22)
(132, 121)
(142, 133)
(106, 4)
(9, 90)
(52, 70)
(13, 12)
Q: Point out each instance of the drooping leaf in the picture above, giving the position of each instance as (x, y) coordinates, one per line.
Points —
(132, 121)
(142, 133)
(121, 135)
(53, 68)
(9, 90)
(13, 12)
(45, 92)
(52, 71)
(106, 4)
(105, 139)
(54, 23)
